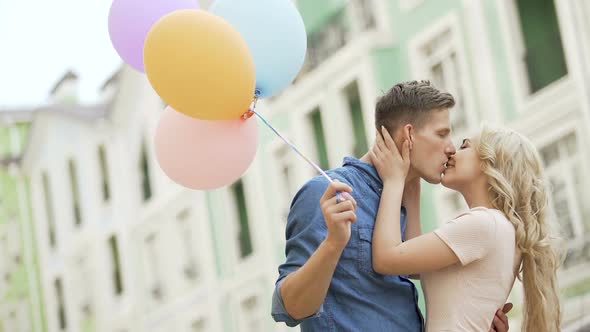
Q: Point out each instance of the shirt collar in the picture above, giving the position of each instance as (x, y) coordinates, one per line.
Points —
(367, 171)
(371, 176)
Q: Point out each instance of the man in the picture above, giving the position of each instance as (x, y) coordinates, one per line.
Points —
(327, 282)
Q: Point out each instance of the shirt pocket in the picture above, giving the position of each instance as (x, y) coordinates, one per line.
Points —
(365, 256)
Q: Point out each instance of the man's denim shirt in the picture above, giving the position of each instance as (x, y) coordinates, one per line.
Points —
(359, 299)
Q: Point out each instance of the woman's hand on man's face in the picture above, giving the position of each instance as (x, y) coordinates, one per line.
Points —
(392, 165)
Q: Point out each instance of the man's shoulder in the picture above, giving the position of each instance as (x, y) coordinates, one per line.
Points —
(320, 180)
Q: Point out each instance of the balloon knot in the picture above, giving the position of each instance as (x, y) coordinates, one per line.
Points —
(250, 111)
(247, 115)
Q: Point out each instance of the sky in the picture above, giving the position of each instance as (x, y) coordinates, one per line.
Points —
(40, 40)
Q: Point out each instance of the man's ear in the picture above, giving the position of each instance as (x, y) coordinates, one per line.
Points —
(408, 133)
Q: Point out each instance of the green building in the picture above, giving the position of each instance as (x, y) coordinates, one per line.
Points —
(20, 303)
(162, 258)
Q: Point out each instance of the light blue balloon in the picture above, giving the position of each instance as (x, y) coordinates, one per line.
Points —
(275, 33)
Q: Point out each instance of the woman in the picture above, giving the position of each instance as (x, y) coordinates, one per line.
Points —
(468, 266)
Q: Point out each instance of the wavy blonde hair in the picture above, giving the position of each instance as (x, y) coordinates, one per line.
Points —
(517, 188)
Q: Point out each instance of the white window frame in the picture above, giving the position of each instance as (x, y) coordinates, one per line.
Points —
(283, 156)
(421, 64)
(13, 242)
(144, 142)
(261, 310)
(354, 8)
(206, 310)
(15, 143)
(40, 212)
(232, 225)
(10, 320)
(109, 173)
(561, 168)
(81, 278)
(303, 132)
(185, 227)
(4, 261)
(513, 43)
(152, 265)
(23, 316)
(346, 127)
(199, 319)
(409, 5)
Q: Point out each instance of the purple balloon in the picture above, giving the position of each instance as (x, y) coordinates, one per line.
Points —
(131, 20)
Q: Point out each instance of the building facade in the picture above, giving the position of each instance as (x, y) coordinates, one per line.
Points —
(20, 303)
(121, 248)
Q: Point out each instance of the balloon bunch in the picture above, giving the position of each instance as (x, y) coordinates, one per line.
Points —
(209, 67)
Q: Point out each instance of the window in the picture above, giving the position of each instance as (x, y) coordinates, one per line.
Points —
(199, 325)
(153, 270)
(358, 123)
(315, 119)
(83, 278)
(332, 25)
(144, 169)
(253, 315)
(190, 268)
(104, 174)
(244, 237)
(9, 322)
(408, 5)
(75, 193)
(285, 177)
(563, 165)
(543, 56)
(364, 13)
(61, 308)
(324, 41)
(440, 59)
(4, 260)
(13, 242)
(23, 317)
(49, 210)
(116, 265)
(15, 141)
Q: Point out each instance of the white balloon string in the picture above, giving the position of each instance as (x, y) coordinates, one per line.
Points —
(291, 145)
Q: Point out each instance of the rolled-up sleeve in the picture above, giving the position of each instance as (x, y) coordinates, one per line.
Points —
(305, 231)
(280, 314)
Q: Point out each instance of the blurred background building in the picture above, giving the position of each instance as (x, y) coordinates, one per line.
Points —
(94, 237)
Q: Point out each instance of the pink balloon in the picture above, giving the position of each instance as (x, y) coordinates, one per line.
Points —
(131, 20)
(204, 155)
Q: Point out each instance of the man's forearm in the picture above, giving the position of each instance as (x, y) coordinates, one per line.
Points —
(304, 290)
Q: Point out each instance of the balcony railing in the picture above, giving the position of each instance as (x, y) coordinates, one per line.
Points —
(342, 27)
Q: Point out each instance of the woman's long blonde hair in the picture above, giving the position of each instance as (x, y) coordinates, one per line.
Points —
(517, 188)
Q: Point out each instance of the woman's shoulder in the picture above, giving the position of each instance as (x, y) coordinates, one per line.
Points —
(502, 226)
(476, 220)
(477, 213)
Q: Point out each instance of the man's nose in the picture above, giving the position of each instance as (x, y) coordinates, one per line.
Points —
(450, 150)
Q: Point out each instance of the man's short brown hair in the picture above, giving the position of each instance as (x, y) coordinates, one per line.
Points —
(409, 102)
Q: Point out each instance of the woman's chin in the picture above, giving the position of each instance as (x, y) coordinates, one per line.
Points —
(447, 181)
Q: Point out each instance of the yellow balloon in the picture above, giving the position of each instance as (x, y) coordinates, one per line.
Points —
(200, 65)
